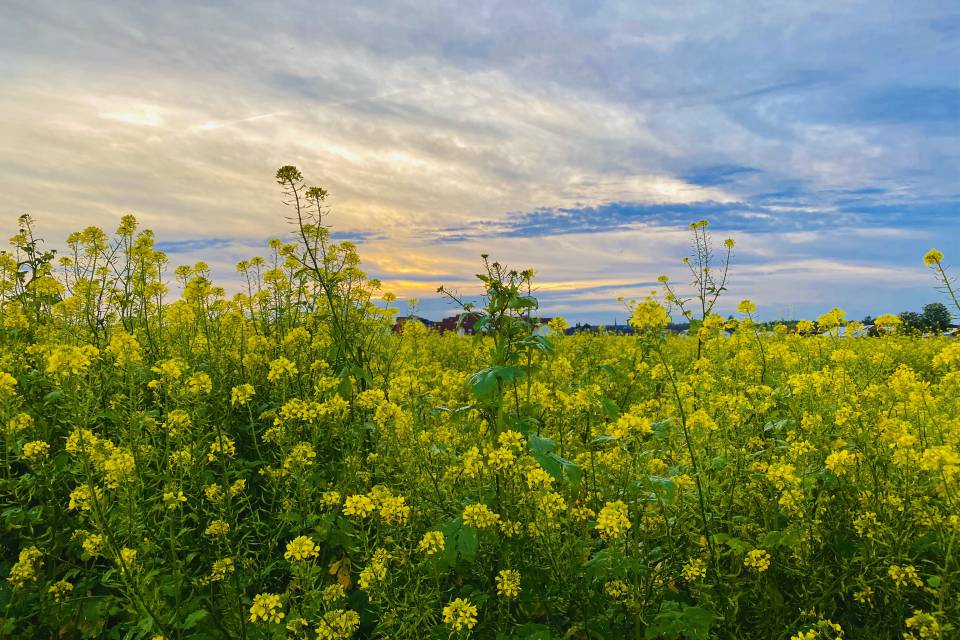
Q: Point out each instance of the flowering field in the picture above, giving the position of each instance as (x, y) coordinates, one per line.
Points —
(280, 464)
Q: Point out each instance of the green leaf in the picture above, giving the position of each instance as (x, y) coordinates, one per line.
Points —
(483, 383)
(528, 631)
(559, 467)
(461, 542)
(661, 429)
(611, 563)
(664, 486)
(541, 444)
(522, 302)
(610, 408)
(678, 620)
(191, 620)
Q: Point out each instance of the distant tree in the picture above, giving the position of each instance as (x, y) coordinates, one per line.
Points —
(936, 316)
(867, 319)
(912, 321)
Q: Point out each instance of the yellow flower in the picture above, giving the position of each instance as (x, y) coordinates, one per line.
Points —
(217, 528)
(613, 521)
(432, 542)
(301, 548)
(831, 320)
(500, 459)
(222, 445)
(127, 560)
(124, 349)
(648, 316)
(266, 607)
(118, 468)
(173, 498)
(213, 492)
(746, 307)
(81, 441)
(932, 257)
(358, 505)
(335, 591)
(338, 624)
(301, 457)
(582, 514)
(394, 510)
(81, 498)
(71, 361)
(479, 516)
(60, 590)
(841, 462)
(616, 589)
(888, 322)
(199, 383)
(511, 440)
(460, 614)
(221, 569)
(903, 576)
(7, 384)
(330, 499)
(92, 545)
(694, 570)
(281, 368)
(20, 422)
(508, 584)
(240, 395)
(36, 451)
(26, 567)
(757, 560)
(926, 625)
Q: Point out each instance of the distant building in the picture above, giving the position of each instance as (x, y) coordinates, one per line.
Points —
(460, 323)
(464, 323)
(618, 329)
(402, 320)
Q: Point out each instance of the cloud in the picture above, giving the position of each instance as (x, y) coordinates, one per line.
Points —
(578, 137)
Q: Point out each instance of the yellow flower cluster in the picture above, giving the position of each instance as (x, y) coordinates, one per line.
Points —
(648, 316)
(479, 516)
(508, 584)
(36, 451)
(432, 543)
(757, 560)
(60, 590)
(124, 349)
(694, 570)
(613, 521)
(266, 607)
(222, 446)
(241, 395)
(221, 569)
(217, 528)
(358, 506)
(26, 567)
(8, 385)
(460, 614)
(280, 369)
(68, 361)
(301, 548)
(338, 624)
(922, 626)
(904, 575)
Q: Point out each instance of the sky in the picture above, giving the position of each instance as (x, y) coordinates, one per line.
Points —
(579, 139)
